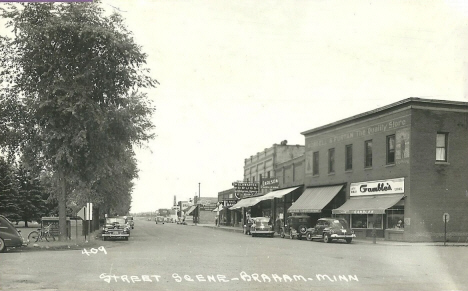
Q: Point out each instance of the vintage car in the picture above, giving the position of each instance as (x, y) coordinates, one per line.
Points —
(9, 235)
(115, 227)
(129, 220)
(296, 226)
(159, 219)
(262, 226)
(330, 229)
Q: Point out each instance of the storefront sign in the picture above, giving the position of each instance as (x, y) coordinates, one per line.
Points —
(228, 203)
(246, 187)
(391, 186)
(270, 183)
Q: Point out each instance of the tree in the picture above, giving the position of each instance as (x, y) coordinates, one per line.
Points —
(78, 74)
(32, 197)
(8, 191)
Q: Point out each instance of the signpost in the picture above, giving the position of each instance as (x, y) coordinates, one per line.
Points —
(445, 218)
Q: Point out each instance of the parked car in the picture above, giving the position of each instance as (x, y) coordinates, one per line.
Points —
(130, 222)
(9, 235)
(262, 226)
(296, 226)
(159, 219)
(116, 227)
(330, 229)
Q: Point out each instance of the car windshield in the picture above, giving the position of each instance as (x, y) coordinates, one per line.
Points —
(129, 218)
(339, 223)
(112, 220)
(262, 219)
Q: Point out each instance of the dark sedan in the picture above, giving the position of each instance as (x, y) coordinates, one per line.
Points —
(262, 226)
(116, 227)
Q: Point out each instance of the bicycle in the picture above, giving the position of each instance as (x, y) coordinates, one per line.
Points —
(42, 233)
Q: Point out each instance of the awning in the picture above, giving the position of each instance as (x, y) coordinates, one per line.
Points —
(191, 210)
(277, 194)
(313, 200)
(246, 202)
(376, 204)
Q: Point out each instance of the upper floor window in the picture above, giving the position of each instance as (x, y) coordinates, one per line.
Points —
(331, 160)
(368, 153)
(390, 149)
(253, 179)
(315, 170)
(349, 157)
(441, 147)
(268, 174)
(260, 178)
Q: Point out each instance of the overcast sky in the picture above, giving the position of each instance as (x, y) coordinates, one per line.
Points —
(238, 76)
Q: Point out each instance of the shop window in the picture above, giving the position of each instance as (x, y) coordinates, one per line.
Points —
(368, 153)
(331, 161)
(395, 218)
(441, 147)
(391, 149)
(315, 170)
(378, 221)
(349, 157)
(366, 221)
(359, 221)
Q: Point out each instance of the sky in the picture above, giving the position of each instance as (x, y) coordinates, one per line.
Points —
(237, 77)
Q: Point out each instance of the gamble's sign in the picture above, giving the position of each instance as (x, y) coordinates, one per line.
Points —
(390, 186)
(229, 203)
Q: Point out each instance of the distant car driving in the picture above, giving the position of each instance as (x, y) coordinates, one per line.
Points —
(159, 219)
(116, 227)
(330, 229)
(262, 226)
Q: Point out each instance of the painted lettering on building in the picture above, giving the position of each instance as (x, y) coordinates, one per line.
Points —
(312, 142)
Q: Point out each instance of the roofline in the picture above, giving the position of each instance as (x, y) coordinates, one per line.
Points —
(400, 103)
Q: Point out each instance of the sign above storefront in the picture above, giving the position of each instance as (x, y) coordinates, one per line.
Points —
(390, 186)
(270, 183)
(229, 203)
(245, 189)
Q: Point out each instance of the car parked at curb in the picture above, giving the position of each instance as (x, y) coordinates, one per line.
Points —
(129, 220)
(296, 226)
(116, 227)
(329, 229)
(9, 235)
(159, 219)
(262, 226)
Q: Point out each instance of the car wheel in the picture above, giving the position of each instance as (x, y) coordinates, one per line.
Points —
(348, 240)
(303, 229)
(104, 238)
(309, 236)
(282, 234)
(327, 238)
(2, 246)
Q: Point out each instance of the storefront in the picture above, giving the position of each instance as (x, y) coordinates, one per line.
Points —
(318, 202)
(375, 208)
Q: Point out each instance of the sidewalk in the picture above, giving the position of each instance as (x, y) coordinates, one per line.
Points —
(379, 241)
(74, 243)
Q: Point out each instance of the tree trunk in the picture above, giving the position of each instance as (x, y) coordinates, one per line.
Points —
(62, 207)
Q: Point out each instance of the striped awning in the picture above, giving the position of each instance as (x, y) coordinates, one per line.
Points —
(277, 193)
(313, 200)
(376, 204)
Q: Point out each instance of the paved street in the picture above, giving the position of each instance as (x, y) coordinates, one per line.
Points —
(184, 257)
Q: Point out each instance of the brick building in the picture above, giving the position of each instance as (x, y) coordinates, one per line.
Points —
(397, 169)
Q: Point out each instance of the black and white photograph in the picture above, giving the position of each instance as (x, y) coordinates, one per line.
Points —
(233, 145)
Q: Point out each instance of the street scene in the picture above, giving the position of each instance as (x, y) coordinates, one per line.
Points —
(233, 145)
(188, 257)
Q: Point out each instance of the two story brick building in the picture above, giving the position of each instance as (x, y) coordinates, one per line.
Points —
(394, 171)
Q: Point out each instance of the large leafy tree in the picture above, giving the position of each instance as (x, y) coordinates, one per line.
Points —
(8, 191)
(77, 74)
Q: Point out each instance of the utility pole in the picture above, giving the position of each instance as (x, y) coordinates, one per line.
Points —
(198, 212)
